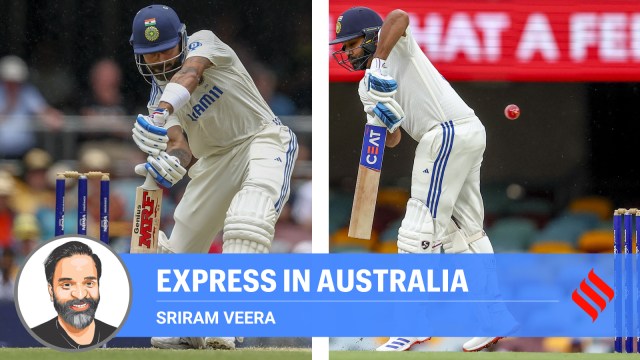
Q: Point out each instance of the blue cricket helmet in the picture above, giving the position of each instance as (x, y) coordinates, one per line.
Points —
(157, 28)
(354, 23)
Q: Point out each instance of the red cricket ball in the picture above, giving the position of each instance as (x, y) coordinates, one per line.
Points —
(512, 112)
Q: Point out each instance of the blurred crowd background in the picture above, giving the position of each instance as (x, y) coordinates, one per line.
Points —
(70, 92)
(551, 179)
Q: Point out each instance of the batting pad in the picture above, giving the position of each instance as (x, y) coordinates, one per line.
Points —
(454, 242)
(416, 232)
(250, 222)
(481, 246)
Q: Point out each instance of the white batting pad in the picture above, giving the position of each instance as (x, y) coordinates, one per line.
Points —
(454, 242)
(250, 222)
(416, 232)
(481, 246)
(457, 243)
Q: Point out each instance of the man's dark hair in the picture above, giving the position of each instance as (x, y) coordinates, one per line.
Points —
(67, 250)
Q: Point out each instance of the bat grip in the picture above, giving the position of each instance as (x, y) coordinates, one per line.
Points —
(150, 183)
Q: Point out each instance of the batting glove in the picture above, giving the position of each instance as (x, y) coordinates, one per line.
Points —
(388, 113)
(164, 168)
(150, 139)
(159, 117)
(380, 86)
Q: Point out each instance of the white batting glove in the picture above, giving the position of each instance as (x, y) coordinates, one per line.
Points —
(150, 139)
(388, 114)
(159, 117)
(380, 86)
(166, 169)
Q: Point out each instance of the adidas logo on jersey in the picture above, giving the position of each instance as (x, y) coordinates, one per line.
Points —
(425, 171)
(278, 159)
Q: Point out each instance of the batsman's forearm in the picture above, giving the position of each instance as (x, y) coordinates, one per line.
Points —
(178, 146)
(166, 105)
(393, 138)
(394, 26)
(188, 77)
(193, 161)
(190, 74)
(184, 156)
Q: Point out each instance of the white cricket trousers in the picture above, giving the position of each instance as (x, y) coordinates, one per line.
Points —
(265, 161)
(446, 174)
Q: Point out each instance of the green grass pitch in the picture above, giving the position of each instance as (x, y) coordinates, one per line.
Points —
(157, 354)
(415, 355)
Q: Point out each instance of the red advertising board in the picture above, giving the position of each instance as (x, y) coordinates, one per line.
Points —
(541, 40)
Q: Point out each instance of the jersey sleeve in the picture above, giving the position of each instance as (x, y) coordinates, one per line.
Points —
(154, 97)
(206, 44)
(405, 43)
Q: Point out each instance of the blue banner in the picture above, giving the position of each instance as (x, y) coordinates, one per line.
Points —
(372, 295)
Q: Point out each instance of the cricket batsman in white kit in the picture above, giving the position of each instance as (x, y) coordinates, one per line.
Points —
(401, 88)
(239, 155)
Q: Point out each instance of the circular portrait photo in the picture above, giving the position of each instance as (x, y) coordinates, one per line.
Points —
(73, 293)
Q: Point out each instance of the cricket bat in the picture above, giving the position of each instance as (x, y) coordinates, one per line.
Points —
(146, 218)
(364, 199)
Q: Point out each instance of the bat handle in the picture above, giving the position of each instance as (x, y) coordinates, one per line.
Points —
(150, 183)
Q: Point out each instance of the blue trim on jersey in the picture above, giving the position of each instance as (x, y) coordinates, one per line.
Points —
(437, 175)
(155, 90)
(288, 169)
(277, 121)
(444, 166)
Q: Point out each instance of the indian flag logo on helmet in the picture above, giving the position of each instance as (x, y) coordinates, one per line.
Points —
(338, 25)
(150, 22)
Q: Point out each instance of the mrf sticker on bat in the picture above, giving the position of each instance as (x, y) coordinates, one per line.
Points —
(145, 219)
(373, 147)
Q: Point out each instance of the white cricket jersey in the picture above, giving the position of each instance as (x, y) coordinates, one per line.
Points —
(226, 108)
(426, 97)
